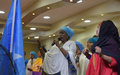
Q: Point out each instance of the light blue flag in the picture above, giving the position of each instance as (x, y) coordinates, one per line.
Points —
(13, 44)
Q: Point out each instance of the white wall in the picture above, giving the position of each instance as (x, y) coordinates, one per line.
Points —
(84, 36)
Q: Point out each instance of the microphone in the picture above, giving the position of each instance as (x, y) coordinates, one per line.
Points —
(59, 39)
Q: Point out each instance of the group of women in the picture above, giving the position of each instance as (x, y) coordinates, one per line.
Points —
(102, 56)
(33, 66)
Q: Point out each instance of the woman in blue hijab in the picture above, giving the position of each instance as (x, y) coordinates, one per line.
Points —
(65, 34)
(81, 60)
(33, 57)
(68, 31)
(90, 43)
(63, 53)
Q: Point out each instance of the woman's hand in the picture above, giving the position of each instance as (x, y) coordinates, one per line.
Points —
(105, 57)
(98, 50)
(39, 43)
(29, 69)
(57, 43)
(84, 51)
(77, 64)
(61, 49)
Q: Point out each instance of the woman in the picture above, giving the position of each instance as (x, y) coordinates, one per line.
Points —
(81, 60)
(90, 43)
(36, 67)
(56, 59)
(33, 57)
(106, 54)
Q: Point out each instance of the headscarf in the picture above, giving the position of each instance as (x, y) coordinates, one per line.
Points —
(34, 54)
(93, 40)
(69, 31)
(109, 41)
(81, 47)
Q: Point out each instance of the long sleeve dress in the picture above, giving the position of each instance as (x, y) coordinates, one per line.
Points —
(98, 66)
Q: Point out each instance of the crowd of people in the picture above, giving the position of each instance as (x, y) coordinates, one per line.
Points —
(67, 57)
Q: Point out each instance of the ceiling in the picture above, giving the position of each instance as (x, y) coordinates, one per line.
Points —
(62, 13)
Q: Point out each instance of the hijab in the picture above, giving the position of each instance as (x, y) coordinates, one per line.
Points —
(93, 40)
(69, 31)
(81, 47)
(34, 54)
(109, 41)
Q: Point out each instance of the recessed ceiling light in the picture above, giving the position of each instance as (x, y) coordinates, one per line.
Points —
(87, 21)
(2, 12)
(71, 0)
(49, 35)
(48, 7)
(53, 34)
(28, 37)
(79, 1)
(46, 17)
(33, 14)
(82, 19)
(102, 14)
(36, 37)
(32, 28)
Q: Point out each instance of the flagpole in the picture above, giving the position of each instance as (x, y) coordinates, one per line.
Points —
(12, 33)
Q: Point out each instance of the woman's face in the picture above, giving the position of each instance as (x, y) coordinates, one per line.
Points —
(31, 56)
(63, 36)
(97, 31)
(39, 54)
(89, 45)
(78, 52)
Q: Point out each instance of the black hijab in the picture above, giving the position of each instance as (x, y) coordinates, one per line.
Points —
(109, 41)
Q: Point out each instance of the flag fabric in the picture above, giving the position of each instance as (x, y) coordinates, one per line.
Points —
(17, 51)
